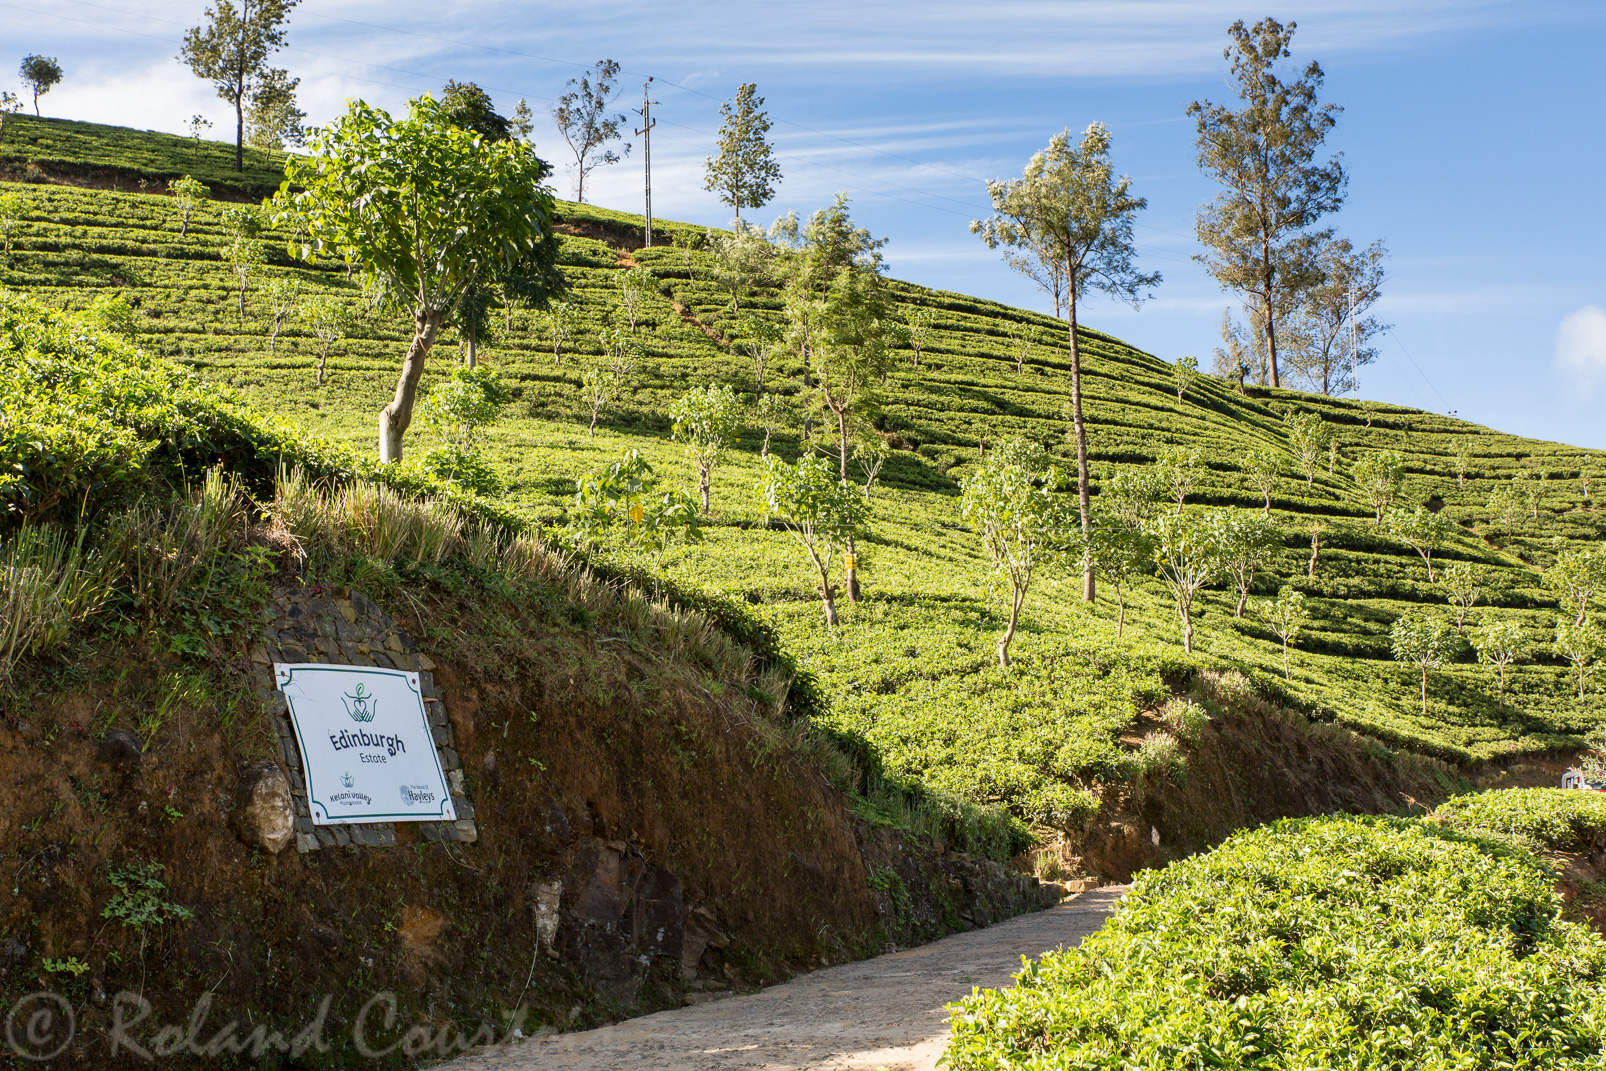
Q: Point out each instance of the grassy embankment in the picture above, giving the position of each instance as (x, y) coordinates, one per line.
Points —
(913, 667)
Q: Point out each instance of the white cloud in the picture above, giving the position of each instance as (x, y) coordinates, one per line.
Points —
(1581, 347)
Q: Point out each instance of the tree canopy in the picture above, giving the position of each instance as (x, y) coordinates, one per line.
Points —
(743, 172)
(426, 210)
(40, 74)
(1264, 155)
(1071, 212)
(586, 125)
(231, 49)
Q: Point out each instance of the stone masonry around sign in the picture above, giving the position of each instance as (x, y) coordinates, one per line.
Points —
(315, 625)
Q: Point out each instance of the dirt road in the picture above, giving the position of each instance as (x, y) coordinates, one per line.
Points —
(883, 1012)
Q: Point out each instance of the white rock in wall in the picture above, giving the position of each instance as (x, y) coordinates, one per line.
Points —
(264, 817)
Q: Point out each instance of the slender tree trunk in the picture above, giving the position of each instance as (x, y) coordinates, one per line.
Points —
(765, 450)
(1315, 549)
(239, 130)
(1089, 590)
(1424, 690)
(395, 417)
(1018, 596)
(808, 384)
(1286, 675)
(1243, 600)
(827, 591)
(470, 343)
(323, 358)
(1187, 626)
(702, 484)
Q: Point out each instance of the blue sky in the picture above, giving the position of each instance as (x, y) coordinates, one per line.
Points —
(1472, 134)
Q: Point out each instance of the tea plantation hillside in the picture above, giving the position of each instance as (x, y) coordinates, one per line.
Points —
(913, 666)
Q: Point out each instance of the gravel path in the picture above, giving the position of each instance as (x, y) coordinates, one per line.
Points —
(882, 1012)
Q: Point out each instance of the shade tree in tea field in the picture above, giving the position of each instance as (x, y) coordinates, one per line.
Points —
(1285, 615)
(1426, 641)
(1013, 502)
(743, 172)
(1187, 556)
(231, 48)
(1260, 230)
(40, 74)
(427, 211)
(583, 118)
(706, 420)
(1499, 642)
(820, 511)
(1069, 210)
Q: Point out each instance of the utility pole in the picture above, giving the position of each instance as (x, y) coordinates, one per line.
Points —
(645, 134)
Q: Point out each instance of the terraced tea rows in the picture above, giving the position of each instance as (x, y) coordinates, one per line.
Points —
(913, 667)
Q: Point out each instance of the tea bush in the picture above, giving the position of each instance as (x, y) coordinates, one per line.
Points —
(1313, 944)
(1548, 817)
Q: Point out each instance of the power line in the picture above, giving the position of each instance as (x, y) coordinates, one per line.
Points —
(1418, 368)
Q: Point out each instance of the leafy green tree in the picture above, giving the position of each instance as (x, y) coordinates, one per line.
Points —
(1379, 476)
(1119, 554)
(1012, 502)
(623, 497)
(187, 193)
(773, 411)
(1582, 644)
(706, 420)
(40, 74)
(1262, 468)
(744, 172)
(468, 106)
(1071, 211)
(273, 120)
(561, 318)
(522, 122)
(1577, 576)
(329, 320)
(1187, 556)
(1246, 543)
(1426, 641)
(1308, 438)
(1421, 529)
(758, 338)
(742, 260)
(855, 352)
(461, 410)
(1499, 643)
(1131, 495)
(231, 49)
(1332, 321)
(1285, 615)
(583, 119)
(1463, 583)
(1259, 229)
(10, 104)
(1021, 337)
(1178, 470)
(1505, 503)
(1184, 371)
(244, 251)
(920, 320)
(820, 511)
(634, 285)
(427, 211)
(1463, 457)
(870, 453)
(1532, 487)
(284, 299)
(603, 380)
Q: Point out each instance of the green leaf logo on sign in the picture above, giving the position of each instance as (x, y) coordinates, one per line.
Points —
(360, 705)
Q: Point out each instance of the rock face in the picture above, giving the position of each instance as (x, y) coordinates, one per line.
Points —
(119, 747)
(263, 816)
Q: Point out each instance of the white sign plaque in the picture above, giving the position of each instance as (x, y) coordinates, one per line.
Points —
(365, 743)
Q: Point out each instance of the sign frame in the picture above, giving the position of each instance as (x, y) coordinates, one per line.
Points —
(313, 714)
